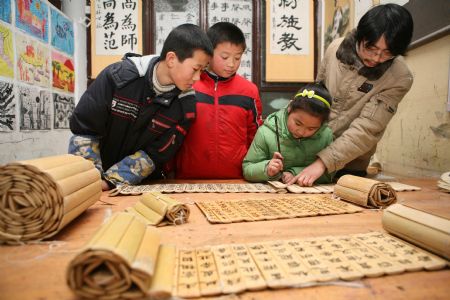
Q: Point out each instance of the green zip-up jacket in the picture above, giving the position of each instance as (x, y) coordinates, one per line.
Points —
(297, 153)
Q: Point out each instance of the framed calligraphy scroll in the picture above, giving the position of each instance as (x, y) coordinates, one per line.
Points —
(290, 48)
(116, 28)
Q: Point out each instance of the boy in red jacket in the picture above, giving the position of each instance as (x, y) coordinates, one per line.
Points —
(228, 112)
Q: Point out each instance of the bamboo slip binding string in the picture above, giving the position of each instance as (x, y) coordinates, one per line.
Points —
(39, 197)
(365, 192)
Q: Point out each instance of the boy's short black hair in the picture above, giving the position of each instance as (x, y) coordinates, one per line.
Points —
(222, 32)
(184, 40)
(312, 105)
(391, 20)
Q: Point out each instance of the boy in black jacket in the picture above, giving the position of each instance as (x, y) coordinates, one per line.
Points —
(134, 116)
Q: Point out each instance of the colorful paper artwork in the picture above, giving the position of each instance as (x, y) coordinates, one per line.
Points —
(32, 17)
(6, 52)
(5, 11)
(7, 107)
(64, 106)
(63, 72)
(32, 61)
(62, 32)
(34, 108)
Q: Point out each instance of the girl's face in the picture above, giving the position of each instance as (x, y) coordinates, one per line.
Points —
(302, 124)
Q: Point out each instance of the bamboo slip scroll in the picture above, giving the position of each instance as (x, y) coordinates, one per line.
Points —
(426, 230)
(125, 259)
(122, 260)
(365, 192)
(39, 197)
(155, 208)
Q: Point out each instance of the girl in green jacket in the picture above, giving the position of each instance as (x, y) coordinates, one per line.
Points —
(290, 138)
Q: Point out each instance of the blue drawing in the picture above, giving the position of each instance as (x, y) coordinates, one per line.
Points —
(62, 32)
(32, 17)
(5, 10)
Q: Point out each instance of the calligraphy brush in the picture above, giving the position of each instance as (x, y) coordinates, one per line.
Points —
(278, 134)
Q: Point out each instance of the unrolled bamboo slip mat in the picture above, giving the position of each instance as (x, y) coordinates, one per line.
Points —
(271, 187)
(39, 197)
(125, 259)
(229, 211)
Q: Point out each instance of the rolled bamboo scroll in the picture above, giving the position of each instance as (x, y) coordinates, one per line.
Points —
(155, 208)
(365, 192)
(418, 227)
(119, 262)
(39, 197)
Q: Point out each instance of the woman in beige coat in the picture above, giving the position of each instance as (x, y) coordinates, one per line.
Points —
(367, 78)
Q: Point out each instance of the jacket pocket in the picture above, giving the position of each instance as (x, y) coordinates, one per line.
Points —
(171, 141)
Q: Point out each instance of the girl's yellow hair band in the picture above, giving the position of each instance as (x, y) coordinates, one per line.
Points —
(311, 94)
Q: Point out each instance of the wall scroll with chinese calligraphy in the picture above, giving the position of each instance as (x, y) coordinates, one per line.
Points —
(115, 30)
(290, 41)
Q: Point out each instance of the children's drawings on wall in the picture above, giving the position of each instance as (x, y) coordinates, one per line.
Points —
(64, 106)
(34, 108)
(7, 107)
(32, 61)
(6, 52)
(62, 32)
(63, 72)
(5, 11)
(32, 17)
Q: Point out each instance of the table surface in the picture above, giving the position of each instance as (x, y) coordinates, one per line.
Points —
(38, 271)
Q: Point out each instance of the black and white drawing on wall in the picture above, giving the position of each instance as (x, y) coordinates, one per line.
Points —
(34, 108)
(64, 106)
(7, 107)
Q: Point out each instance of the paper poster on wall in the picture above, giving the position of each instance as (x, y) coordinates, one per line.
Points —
(7, 106)
(238, 12)
(337, 20)
(33, 61)
(287, 59)
(34, 108)
(289, 27)
(32, 17)
(116, 27)
(62, 32)
(63, 72)
(6, 52)
(5, 11)
(171, 13)
(63, 109)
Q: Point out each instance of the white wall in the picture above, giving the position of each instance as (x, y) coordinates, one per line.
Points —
(417, 140)
(20, 145)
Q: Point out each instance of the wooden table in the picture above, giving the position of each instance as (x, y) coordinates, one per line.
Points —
(38, 271)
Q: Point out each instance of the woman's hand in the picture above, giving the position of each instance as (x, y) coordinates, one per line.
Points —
(275, 165)
(309, 174)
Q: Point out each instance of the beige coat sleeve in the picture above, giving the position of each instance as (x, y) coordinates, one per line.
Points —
(367, 129)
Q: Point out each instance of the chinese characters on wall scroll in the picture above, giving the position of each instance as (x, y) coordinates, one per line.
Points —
(171, 13)
(289, 28)
(240, 13)
(116, 26)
